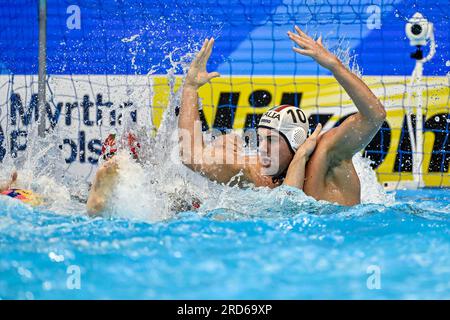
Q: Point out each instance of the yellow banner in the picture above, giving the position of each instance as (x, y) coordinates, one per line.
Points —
(322, 97)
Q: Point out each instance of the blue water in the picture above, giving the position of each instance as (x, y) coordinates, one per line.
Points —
(312, 250)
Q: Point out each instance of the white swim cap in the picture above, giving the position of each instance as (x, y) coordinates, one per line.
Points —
(290, 122)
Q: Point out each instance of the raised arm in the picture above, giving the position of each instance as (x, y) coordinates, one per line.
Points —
(102, 187)
(218, 161)
(223, 159)
(359, 129)
(189, 124)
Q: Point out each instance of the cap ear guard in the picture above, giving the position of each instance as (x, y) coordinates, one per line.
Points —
(298, 137)
(290, 122)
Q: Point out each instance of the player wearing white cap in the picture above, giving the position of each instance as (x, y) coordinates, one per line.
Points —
(320, 165)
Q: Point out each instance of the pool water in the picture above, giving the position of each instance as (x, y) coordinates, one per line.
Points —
(283, 245)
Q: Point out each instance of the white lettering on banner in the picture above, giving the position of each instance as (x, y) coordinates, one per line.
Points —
(74, 19)
(374, 20)
(84, 110)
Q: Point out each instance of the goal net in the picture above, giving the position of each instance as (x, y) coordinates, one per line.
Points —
(117, 63)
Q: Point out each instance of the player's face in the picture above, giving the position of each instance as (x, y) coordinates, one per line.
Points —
(274, 153)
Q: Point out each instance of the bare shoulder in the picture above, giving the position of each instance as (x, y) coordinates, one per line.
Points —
(330, 162)
(319, 158)
(321, 164)
(326, 149)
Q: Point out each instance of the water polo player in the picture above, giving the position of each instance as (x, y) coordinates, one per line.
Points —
(106, 176)
(328, 172)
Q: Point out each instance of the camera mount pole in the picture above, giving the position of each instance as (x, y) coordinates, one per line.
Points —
(418, 155)
(417, 83)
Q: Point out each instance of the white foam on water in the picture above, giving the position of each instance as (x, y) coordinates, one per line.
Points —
(371, 190)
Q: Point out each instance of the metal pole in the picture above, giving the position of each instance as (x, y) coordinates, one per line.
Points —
(419, 125)
(42, 66)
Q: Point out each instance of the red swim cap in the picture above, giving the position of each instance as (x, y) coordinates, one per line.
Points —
(109, 146)
(133, 145)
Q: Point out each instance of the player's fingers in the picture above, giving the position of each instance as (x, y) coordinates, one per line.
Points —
(298, 40)
(201, 53)
(213, 75)
(205, 44)
(316, 132)
(209, 49)
(319, 41)
(303, 51)
(301, 33)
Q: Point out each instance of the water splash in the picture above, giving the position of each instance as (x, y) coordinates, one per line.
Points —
(344, 53)
(371, 190)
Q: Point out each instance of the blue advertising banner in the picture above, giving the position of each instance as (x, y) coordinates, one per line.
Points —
(137, 37)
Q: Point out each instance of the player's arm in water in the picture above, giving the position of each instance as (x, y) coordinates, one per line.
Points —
(357, 130)
(295, 175)
(101, 189)
(221, 160)
(11, 182)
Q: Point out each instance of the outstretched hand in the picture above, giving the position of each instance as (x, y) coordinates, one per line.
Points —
(313, 49)
(197, 75)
